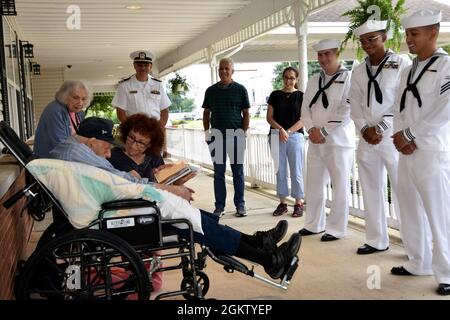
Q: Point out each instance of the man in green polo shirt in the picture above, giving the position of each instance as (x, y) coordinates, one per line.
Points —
(225, 120)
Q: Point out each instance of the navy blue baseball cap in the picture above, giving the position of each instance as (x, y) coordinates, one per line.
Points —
(98, 128)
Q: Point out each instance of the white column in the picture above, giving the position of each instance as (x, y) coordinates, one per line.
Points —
(212, 61)
(302, 58)
(300, 11)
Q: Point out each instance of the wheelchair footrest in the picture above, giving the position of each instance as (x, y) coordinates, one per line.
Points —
(230, 264)
(291, 270)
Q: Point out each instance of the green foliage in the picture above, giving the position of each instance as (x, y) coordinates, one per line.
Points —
(313, 68)
(447, 48)
(388, 11)
(180, 103)
(101, 107)
(178, 84)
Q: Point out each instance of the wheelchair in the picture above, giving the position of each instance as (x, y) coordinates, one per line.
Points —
(112, 258)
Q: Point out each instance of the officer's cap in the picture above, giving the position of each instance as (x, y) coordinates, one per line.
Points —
(142, 56)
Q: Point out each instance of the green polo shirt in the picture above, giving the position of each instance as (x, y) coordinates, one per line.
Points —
(226, 105)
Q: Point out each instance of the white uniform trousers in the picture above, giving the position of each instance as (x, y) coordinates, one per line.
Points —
(324, 162)
(373, 161)
(424, 199)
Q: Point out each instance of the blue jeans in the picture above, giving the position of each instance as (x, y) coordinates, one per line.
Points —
(233, 147)
(290, 152)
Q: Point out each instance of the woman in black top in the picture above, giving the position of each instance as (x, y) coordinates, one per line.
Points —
(287, 141)
(143, 139)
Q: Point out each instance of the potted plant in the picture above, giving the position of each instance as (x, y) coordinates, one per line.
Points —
(369, 9)
(178, 84)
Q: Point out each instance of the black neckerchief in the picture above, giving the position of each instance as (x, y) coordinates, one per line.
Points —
(413, 86)
(372, 79)
(321, 90)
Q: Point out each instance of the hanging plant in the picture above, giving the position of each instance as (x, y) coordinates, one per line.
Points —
(178, 84)
(379, 10)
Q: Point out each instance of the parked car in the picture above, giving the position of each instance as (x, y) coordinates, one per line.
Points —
(193, 116)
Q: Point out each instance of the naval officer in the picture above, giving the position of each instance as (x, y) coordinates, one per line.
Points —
(141, 92)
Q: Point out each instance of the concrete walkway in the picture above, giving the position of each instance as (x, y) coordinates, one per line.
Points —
(327, 270)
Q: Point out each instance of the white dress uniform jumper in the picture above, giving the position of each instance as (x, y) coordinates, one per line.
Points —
(372, 97)
(326, 106)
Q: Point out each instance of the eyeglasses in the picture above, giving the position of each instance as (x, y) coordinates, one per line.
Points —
(139, 144)
(290, 78)
(370, 40)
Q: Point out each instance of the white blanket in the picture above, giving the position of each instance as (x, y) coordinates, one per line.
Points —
(82, 189)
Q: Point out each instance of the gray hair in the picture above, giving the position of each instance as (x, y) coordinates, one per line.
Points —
(227, 60)
(68, 86)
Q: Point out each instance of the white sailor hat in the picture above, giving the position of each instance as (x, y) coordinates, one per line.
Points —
(142, 56)
(370, 26)
(422, 18)
(326, 44)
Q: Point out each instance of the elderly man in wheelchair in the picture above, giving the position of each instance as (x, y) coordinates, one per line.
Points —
(110, 224)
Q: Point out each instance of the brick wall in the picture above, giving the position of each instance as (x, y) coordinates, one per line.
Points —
(14, 233)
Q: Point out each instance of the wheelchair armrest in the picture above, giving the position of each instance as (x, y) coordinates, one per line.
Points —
(128, 204)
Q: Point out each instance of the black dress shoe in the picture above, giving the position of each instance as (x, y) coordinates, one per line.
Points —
(269, 239)
(400, 271)
(282, 256)
(366, 249)
(328, 237)
(443, 289)
(306, 232)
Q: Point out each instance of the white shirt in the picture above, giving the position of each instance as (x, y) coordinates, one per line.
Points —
(135, 96)
(389, 80)
(428, 125)
(335, 120)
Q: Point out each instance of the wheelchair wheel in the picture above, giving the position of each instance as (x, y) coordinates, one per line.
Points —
(84, 265)
(188, 285)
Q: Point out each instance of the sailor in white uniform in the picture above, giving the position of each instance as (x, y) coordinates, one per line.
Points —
(326, 116)
(422, 136)
(373, 90)
(142, 93)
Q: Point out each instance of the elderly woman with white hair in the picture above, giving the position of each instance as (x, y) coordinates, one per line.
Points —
(61, 118)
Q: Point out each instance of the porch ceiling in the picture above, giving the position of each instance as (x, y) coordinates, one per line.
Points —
(99, 50)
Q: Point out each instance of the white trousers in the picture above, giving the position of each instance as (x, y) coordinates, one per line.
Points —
(424, 199)
(373, 162)
(324, 162)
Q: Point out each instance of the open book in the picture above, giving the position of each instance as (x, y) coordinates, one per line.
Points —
(171, 174)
